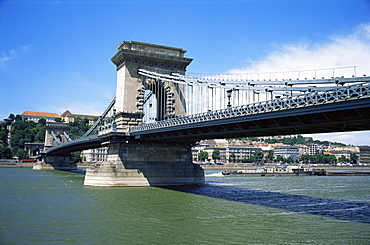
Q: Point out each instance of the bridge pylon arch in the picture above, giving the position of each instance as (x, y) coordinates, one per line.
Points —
(55, 133)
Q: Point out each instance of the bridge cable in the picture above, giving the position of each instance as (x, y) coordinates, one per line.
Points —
(56, 138)
(100, 119)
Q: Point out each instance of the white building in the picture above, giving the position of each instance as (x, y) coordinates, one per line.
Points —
(303, 150)
(287, 151)
(314, 149)
(70, 117)
(36, 116)
(241, 152)
(95, 155)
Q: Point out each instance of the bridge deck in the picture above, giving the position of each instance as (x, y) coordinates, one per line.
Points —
(345, 108)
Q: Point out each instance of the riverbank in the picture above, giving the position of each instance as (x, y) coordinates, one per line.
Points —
(13, 164)
(252, 166)
(84, 165)
(17, 164)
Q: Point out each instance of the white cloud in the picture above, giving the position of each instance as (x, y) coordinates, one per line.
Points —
(12, 54)
(349, 138)
(339, 51)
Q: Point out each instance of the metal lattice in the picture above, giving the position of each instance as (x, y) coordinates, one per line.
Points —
(338, 94)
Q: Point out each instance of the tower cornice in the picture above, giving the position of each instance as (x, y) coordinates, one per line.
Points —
(144, 54)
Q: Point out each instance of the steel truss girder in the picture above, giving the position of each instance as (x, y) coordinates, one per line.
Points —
(350, 93)
(346, 116)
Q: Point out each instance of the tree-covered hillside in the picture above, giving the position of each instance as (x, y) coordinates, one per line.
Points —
(296, 140)
(31, 132)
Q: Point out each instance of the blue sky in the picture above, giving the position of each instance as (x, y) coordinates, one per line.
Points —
(55, 55)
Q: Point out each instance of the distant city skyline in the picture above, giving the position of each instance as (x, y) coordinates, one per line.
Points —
(55, 55)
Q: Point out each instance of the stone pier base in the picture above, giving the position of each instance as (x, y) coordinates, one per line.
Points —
(146, 165)
(55, 163)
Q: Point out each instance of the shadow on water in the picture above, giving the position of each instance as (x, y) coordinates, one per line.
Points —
(332, 208)
(344, 210)
(78, 171)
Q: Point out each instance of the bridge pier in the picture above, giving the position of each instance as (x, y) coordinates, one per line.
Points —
(146, 165)
(55, 163)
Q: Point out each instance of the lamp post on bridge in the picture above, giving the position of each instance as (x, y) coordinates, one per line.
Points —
(258, 94)
(228, 93)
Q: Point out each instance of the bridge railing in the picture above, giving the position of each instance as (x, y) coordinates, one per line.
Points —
(357, 91)
(73, 142)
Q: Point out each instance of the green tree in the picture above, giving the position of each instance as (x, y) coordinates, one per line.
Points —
(252, 158)
(270, 155)
(353, 158)
(42, 121)
(299, 139)
(289, 160)
(343, 159)
(232, 157)
(329, 159)
(3, 133)
(26, 131)
(76, 157)
(279, 159)
(18, 118)
(22, 154)
(40, 136)
(5, 152)
(317, 158)
(78, 128)
(202, 156)
(216, 154)
(258, 155)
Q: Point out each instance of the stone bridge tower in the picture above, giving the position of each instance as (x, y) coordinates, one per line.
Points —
(130, 89)
(59, 130)
(56, 133)
(133, 162)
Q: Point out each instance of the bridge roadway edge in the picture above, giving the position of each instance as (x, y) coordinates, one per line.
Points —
(321, 118)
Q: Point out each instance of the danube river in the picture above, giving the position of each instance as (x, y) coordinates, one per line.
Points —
(53, 207)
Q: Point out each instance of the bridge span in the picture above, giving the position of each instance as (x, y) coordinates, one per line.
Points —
(159, 113)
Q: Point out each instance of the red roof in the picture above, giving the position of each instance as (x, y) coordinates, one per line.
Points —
(67, 113)
(40, 114)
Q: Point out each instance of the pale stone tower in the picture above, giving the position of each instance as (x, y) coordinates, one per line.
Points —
(132, 56)
(60, 130)
(59, 162)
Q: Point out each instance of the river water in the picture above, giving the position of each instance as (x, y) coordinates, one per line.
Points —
(53, 207)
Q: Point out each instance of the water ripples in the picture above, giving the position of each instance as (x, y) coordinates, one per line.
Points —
(339, 209)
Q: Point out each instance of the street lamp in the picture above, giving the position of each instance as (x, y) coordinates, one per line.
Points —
(254, 92)
(228, 93)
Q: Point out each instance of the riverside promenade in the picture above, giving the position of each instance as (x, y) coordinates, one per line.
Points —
(252, 166)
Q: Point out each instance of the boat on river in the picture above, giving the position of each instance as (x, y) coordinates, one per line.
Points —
(276, 171)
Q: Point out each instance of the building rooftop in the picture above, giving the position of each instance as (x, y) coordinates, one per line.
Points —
(67, 113)
(40, 114)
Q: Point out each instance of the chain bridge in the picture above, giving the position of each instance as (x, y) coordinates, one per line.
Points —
(159, 112)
